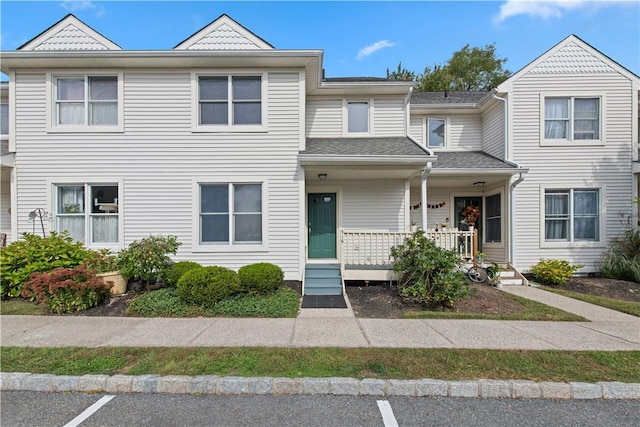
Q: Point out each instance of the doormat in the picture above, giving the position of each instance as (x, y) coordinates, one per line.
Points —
(323, 301)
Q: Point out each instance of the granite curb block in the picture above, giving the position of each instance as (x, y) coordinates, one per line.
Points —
(212, 384)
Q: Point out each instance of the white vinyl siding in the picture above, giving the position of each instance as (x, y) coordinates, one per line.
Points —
(415, 129)
(389, 117)
(462, 131)
(373, 205)
(493, 130)
(607, 166)
(160, 155)
(324, 118)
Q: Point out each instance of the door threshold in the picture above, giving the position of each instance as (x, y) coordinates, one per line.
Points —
(323, 261)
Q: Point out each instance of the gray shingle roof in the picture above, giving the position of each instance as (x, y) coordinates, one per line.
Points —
(355, 79)
(430, 98)
(392, 146)
(469, 160)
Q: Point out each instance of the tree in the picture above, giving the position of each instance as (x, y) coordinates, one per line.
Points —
(468, 69)
(401, 74)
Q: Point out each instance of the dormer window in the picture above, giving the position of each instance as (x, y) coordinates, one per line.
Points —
(436, 136)
(357, 116)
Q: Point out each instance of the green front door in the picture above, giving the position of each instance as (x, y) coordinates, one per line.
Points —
(322, 225)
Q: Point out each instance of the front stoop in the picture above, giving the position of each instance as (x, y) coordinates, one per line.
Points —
(322, 279)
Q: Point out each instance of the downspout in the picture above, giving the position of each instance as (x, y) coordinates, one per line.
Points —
(512, 219)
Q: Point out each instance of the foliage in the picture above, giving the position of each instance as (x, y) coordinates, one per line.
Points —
(428, 274)
(175, 271)
(102, 261)
(35, 254)
(161, 303)
(261, 278)
(468, 69)
(284, 302)
(147, 258)
(554, 271)
(401, 74)
(208, 285)
(622, 259)
(66, 290)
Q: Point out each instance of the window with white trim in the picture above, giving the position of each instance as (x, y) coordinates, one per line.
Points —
(4, 119)
(357, 116)
(230, 100)
(493, 219)
(572, 215)
(86, 100)
(89, 212)
(231, 213)
(572, 118)
(436, 132)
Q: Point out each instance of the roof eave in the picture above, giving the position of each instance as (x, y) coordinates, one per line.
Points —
(314, 159)
(477, 171)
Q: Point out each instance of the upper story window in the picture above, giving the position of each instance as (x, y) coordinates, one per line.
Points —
(4, 119)
(436, 132)
(357, 116)
(230, 100)
(89, 212)
(569, 118)
(86, 101)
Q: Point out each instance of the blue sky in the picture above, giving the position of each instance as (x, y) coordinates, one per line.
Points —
(361, 38)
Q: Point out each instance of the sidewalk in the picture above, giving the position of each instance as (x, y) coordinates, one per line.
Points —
(609, 330)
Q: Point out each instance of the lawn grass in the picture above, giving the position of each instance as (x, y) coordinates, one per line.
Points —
(629, 307)
(530, 310)
(382, 363)
(19, 306)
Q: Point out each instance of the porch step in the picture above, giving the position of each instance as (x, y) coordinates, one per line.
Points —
(322, 279)
(509, 277)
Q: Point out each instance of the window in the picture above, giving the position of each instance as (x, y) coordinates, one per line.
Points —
(86, 101)
(88, 212)
(435, 132)
(493, 219)
(572, 215)
(230, 100)
(572, 118)
(358, 117)
(231, 214)
(4, 119)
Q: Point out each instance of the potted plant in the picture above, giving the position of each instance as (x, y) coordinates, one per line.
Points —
(470, 216)
(413, 227)
(480, 259)
(105, 264)
(145, 261)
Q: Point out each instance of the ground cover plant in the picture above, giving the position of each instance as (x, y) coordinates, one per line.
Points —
(383, 363)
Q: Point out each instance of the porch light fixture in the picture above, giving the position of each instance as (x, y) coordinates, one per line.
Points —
(478, 184)
(322, 176)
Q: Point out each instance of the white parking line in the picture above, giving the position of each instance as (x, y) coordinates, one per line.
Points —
(90, 411)
(387, 413)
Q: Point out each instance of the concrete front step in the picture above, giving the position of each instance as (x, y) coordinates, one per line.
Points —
(322, 279)
(314, 273)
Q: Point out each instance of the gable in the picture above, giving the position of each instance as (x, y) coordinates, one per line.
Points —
(572, 59)
(224, 34)
(69, 34)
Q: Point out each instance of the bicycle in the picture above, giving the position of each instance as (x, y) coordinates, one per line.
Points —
(475, 273)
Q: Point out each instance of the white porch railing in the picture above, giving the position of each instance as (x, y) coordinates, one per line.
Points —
(370, 247)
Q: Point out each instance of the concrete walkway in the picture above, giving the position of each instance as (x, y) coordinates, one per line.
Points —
(608, 330)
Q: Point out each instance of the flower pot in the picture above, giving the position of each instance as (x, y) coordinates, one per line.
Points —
(413, 228)
(119, 283)
(471, 228)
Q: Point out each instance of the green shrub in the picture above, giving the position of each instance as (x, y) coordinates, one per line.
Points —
(147, 258)
(284, 302)
(208, 285)
(261, 278)
(175, 271)
(622, 259)
(161, 303)
(35, 254)
(428, 274)
(66, 290)
(102, 261)
(554, 271)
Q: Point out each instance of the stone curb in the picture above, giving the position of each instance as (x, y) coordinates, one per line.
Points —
(212, 384)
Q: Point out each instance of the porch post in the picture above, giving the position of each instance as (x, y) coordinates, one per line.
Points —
(423, 196)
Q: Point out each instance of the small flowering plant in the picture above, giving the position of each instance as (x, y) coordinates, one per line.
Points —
(471, 214)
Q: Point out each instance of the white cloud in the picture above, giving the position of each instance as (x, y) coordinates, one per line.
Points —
(547, 9)
(372, 48)
(72, 6)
